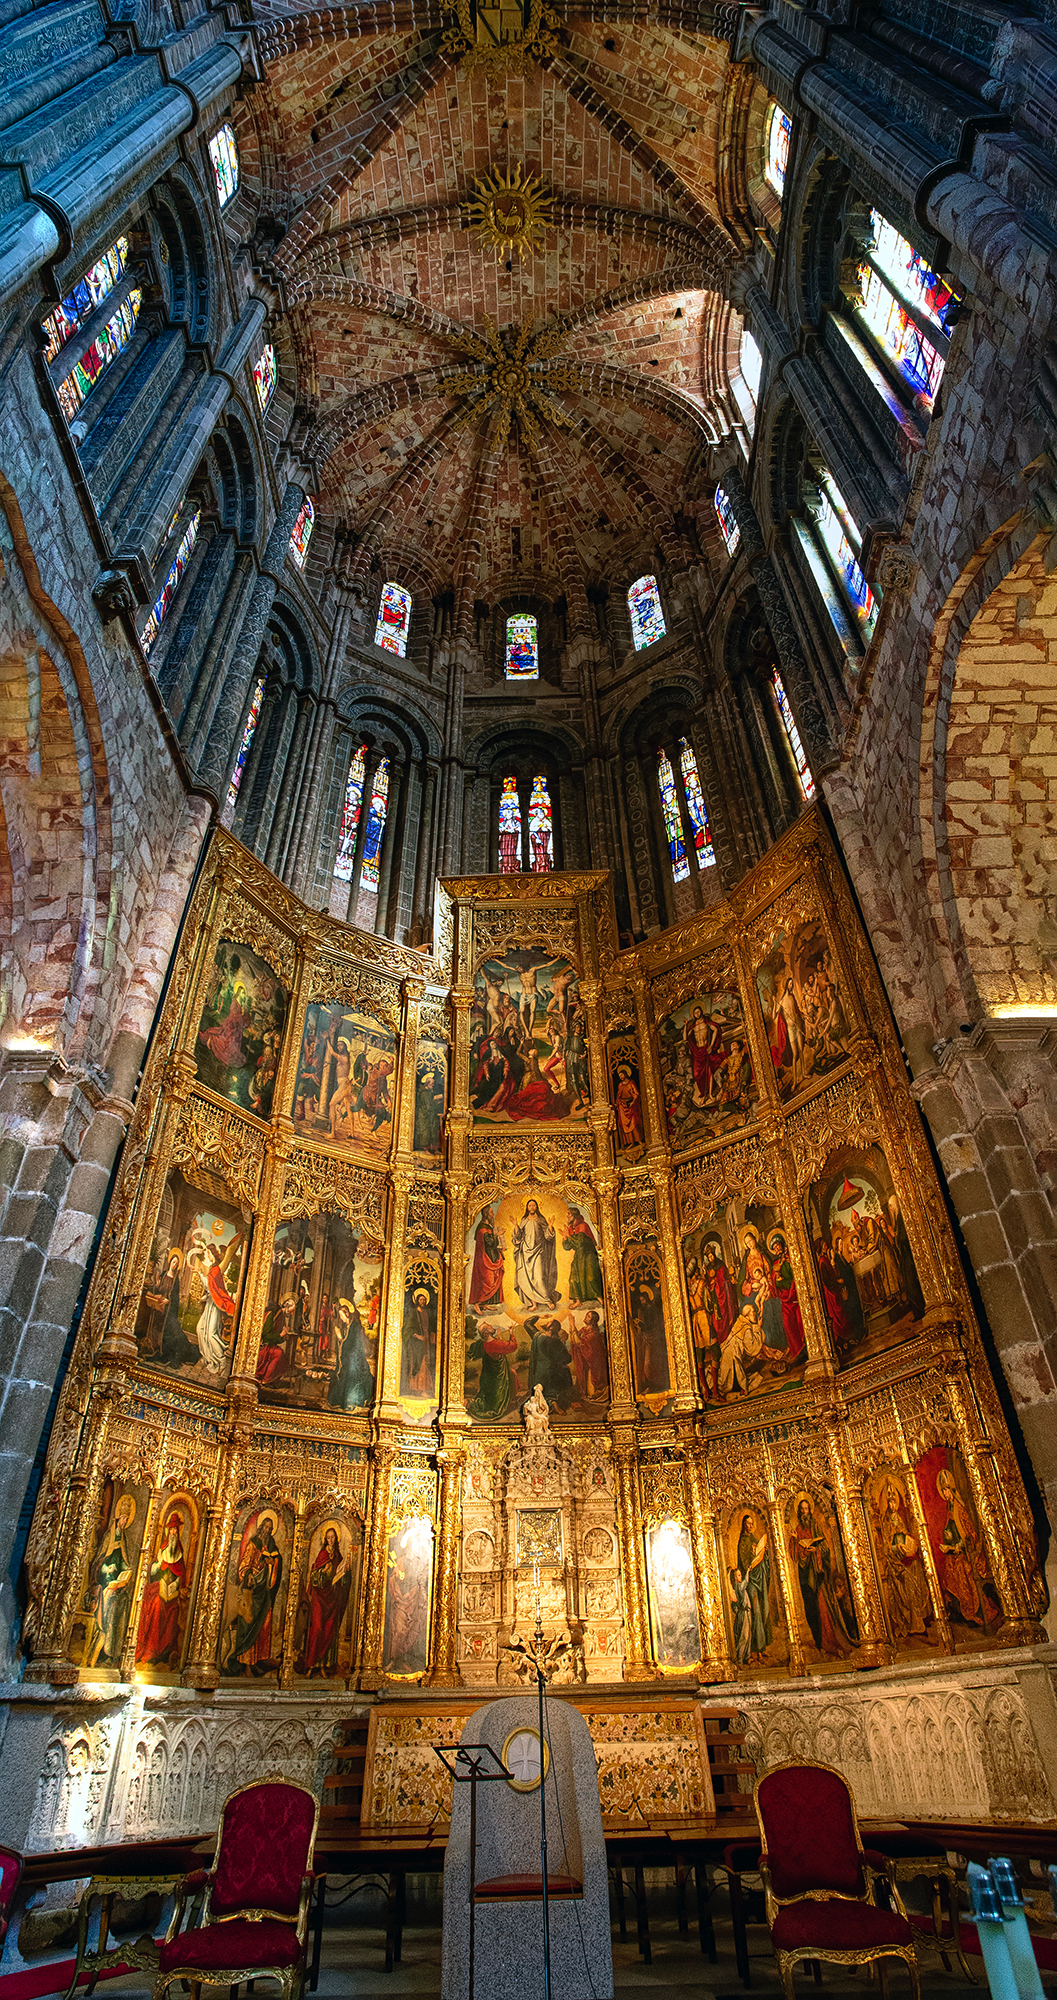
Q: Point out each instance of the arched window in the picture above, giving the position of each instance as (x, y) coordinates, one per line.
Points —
(672, 821)
(695, 802)
(105, 348)
(831, 545)
(778, 132)
(252, 720)
(746, 383)
(647, 618)
(375, 829)
(224, 155)
(265, 375)
(522, 648)
(509, 827)
(803, 771)
(88, 293)
(180, 559)
(727, 521)
(302, 534)
(350, 816)
(541, 827)
(394, 619)
(907, 308)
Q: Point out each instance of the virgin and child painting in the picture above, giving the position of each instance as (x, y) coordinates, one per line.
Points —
(757, 1624)
(528, 1041)
(164, 1615)
(822, 1597)
(803, 1007)
(251, 1631)
(319, 1336)
(706, 1069)
(240, 1033)
(870, 1286)
(534, 1307)
(673, 1599)
(900, 1564)
(418, 1346)
(325, 1629)
(431, 1078)
(956, 1540)
(343, 1094)
(101, 1624)
(189, 1306)
(409, 1575)
(644, 1279)
(745, 1317)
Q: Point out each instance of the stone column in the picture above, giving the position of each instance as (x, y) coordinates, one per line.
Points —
(221, 741)
(422, 903)
(281, 832)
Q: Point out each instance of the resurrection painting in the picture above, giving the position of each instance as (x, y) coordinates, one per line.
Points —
(325, 1625)
(528, 1041)
(240, 1033)
(870, 1285)
(418, 1342)
(707, 1076)
(189, 1306)
(970, 1598)
(534, 1307)
(163, 1620)
(803, 1007)
(251, 1632)
(822, 1598)
(101, 1621)
(745, 1317)
(673, 1599)
(319, 1335)
(900, 1564)
(757, 1622)
(431, 1080)
(409, 1575)
(343, 1093)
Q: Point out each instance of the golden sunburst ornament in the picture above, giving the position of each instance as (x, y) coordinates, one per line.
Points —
(510, 211)
(504, 382)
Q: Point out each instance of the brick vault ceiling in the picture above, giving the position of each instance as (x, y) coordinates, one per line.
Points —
(365, 143)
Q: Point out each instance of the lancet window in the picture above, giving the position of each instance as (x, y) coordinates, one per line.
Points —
(647, 617)
(695, 804)
(779, 129)
(746, 382)
(541, 827)
(224, 158)
(803, 769)
(350, 816)
(302, 534)
(908, 311)
(522, 647)
(88, 293)
(832, 543)
(727, 521)
(374, 833)
(97, 358)
(394, 619)
(672, 821)
(180, 558)
(265, 375)
(681, 794)
(252, 720)
(509, 827)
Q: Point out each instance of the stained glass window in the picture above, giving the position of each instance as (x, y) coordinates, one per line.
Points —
(841, 538)
(647, 618)
(394, 618)
(350, 816)
(695, 800)
(372, 839)
(908, 271)
(672, 821)
(225, 157)
(105, 348)
(778, 131)
(522, 651)
(541, 827)
(727, 521)
(883, 309)
(302, 534)
(807, 782)
(169, 588)
(750, 362)
(509, 828)
(89, 292)
(252, 720)
(265, 375)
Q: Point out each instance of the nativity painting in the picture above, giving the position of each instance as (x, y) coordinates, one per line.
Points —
(870, 1286)
(251, 1633)
(707, 1077)
(745, 1318)
(528, 1041)
(189, 1305)
(534, 1307)
(754, 1604)
(240, 1033)
(100, 1625)
(808, 1026)
(900, 1564)
(325, 1628)
(346, 1078)
(164, 1617)
(319, 1335)
(822, 1598)
(970, 1598)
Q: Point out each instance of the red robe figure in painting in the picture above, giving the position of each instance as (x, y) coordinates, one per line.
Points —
(159, 1631)
(486, 1278)
(329, 1582)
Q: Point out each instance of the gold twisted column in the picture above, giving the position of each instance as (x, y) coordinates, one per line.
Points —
(716, 1661)
(372, 1628)
(638, 1661)
(445, 1669)
(79, 1515)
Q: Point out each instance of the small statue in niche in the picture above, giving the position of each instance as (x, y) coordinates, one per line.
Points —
(537, 1417)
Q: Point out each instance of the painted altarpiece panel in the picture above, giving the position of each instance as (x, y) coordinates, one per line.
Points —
(328, 1595)
(745, 1318)
(648, 1324)
(343, 1093)
(535, 1306)
(528, 1041)
(759, 1636)
(101, 1621)
(870, 1287)
(419, 1329)
(431, 1087)
(240, 1031)
(322, 1318)
(899, 1562)
(673, 1599)
(823, 1604)
(959, 1550)
(258, 1578)
(192, 1288)
(804, 1007)
(164, 1619)
(408, 1597)
(707, 1078)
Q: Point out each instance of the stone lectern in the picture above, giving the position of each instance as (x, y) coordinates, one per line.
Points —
(509, 1908)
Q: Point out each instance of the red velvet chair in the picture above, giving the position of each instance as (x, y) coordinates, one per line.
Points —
(257, 1895)
(817, 1881)
(10, 1876)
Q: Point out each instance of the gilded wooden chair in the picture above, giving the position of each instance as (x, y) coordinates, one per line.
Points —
(256, 1896)
(817, 1881)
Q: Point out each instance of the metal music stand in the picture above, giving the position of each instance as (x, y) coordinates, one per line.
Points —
(481, 1765)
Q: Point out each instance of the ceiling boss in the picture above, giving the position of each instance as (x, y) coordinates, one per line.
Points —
(510, 211)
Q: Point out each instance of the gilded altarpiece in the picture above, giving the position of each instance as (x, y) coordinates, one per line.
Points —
(433, 1284)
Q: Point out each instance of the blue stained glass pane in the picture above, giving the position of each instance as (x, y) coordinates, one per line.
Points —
(265, 375)
(522, 651)
(541, 827)
(910, 275)
(778, 131)
(372, 839)
(394, 618)
(509, 828)
(89, 292)
(695, 801)
(169, 587)
(350, 816)
(252, 720)
(647, 618)
(727, 521)
(224, 155)
(672, 822)
(915, 357)
(105, 348)
(834, 524)
(807, 782)
(302, 534)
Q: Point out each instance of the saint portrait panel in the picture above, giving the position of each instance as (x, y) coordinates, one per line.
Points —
(758, 1633)
(431, 1083)
(804, 1009)
(343, 1092)
(240, 1033)
(959, 1550)
(528, 1042)
(258, 1578)
(325, 1629)
(870, 1287)
(418, 1339)
(822, 1596)
(188, 1310)
(648, 1323)
(322, 1317)
(100, 1624)
(900, 1564)
(534, 1307)
(408, 1596)
(164, 1619)
(745, 1318)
